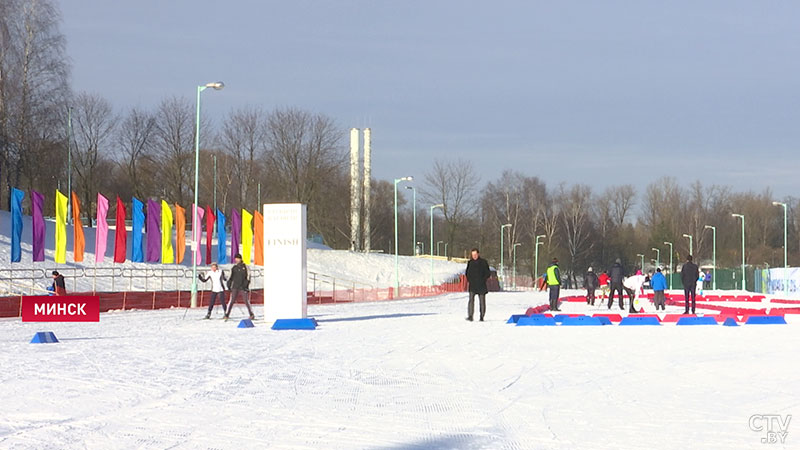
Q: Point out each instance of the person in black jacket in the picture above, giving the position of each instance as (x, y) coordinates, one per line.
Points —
(689, 275)
(590, 282)
(477, 274)
(59, 286)
(239, 282)
(616, 275)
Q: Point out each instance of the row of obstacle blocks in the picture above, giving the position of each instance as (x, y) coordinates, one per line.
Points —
(539, 319)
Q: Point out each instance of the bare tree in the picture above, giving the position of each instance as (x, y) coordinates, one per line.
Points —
(574, 206)
(175, 119)
(244, 137)
(136, 139)
(454, 185)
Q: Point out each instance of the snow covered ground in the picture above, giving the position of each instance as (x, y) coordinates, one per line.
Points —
(409, 374)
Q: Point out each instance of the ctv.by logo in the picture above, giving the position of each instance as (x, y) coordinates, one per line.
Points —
(775, 426)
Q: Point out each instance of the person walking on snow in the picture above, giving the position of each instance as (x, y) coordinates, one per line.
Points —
(590, 282)
(477, 273)
(689, 275)
(239, 283)
(554, 283)
(616, 275)
(659, 284)
(603, 280)
(633, 286)
(217, 278)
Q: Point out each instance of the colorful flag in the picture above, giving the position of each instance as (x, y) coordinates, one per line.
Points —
(153, 231)
(258, 234)
(236, 229)
(247, 235)
(209, 231)
(222, 255)
(120, 234)
(167, 255)
(61, 227)
(78, 240)
(197, 231)
(16, 224)
(180, 233)
(136, 233)
(101, 232)
(37, 201)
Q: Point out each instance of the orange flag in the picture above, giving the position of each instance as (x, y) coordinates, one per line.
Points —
(78, 242)
(180, 233)
(258, 238)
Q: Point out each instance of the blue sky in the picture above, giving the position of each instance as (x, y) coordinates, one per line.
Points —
(602, 92)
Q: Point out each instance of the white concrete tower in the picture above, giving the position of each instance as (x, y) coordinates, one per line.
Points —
(355, 191)
(367, 185)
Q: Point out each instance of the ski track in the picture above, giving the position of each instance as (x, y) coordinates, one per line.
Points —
(409, 374)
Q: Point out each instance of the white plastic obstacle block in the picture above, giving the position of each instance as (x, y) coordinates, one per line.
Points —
(285, 268)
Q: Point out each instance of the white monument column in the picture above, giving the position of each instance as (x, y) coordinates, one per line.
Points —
(285, 293)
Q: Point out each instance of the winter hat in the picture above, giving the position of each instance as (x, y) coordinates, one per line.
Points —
(619, 261)
(555, 260)
(55, 273)
(638, 272)
(237, 256)
(590, 269)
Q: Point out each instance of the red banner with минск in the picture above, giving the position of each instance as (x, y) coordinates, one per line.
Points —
(61, 308)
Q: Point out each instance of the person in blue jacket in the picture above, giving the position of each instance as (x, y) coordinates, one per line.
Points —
(659, 284)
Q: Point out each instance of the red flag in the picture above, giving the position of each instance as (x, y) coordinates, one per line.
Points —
(121, 235)
(258, 231)
(180, 233)
(209, 231)
(79, 242)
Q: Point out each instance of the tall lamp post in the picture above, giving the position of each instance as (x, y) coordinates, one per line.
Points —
(396, 245)
(414, 207)
(691, 243)
(744, 278)
(514, 251)
(440, 205)
(536, 256)
(785, 253)
(502, 249)
(671, 252)
(69, 164)
(641, 256)
(216, 86)
(658, 255)
(713, 255)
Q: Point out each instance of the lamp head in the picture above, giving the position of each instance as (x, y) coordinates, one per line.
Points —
(687, 235)
(217, 85)
(708, 227)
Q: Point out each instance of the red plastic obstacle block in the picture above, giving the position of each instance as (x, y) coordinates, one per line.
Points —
(616, 318)
(675, 317)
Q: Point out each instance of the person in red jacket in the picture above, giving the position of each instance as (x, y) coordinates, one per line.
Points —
(603, 279)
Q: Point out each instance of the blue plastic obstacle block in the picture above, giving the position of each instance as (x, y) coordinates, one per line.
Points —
(560, 317)
(582, 321)
(44, 337)
(704, 320)
(536, 321)
(730, 322)
(765, 320)
(295, 324)
(633, 320)
(604, 320)
(515, 318)
(245, 323)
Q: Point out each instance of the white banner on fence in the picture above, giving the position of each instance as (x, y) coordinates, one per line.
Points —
(777, 278)
(285, 294)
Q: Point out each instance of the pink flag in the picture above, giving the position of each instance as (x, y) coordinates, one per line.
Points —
(197, 231)
(101, 232)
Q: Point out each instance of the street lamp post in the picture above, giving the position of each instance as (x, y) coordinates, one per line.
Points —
(431, 247)
(691, 243)
(414, 207)
(69, 164)
(514, 251)
(641, 256)
(670, 262)
(396, 246)
(785, 253)
(713, 255)
(216, 86)
(658, 255)
(536, 256)
(744, 278)
(502, 250)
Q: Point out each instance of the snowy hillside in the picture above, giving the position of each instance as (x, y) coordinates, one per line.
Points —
(366, 270)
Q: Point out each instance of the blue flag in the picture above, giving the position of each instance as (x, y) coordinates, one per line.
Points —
(16, 224)
(138, 224)
(222, 257)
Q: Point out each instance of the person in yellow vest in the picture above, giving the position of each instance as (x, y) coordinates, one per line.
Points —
(554, 283)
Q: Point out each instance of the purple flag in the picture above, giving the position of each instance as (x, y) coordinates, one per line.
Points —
(37, 200)
(153, 231)
(101, 231)
(236, 231)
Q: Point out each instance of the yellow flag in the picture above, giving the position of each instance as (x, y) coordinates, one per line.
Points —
(61, 228)
(167, 255)
(247, 236)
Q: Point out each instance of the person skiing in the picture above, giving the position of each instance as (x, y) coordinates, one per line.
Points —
(689, 275)
(554, 283)
(616, 275)
(633, 286)
(217, 278)
(659, 285)
(477, 273)
(603, 280)
(59, 286)
(590, 282)
(701, 278)
(239, 283)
